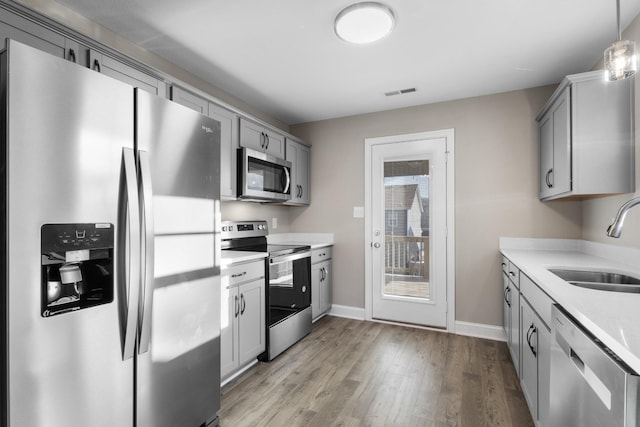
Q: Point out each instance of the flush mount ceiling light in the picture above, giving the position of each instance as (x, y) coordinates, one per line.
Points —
(620, 59)
(364, 22)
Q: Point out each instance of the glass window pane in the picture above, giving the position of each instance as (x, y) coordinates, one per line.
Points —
(407, 228)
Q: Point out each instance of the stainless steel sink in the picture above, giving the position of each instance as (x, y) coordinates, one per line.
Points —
(601, 280)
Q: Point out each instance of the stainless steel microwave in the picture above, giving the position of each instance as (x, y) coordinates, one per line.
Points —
(263, 177)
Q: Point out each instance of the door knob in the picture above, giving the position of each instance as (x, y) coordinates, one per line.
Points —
(376, 245)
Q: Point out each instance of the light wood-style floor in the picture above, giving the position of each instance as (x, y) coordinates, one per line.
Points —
(355, 373)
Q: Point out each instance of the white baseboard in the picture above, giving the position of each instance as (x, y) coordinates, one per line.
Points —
(470, 329)
(347, 311)
(240, 372)
(479, 330)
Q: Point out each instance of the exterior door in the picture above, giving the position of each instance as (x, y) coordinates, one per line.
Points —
(408, 229)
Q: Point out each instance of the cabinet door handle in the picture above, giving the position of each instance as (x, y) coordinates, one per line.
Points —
(237, 306)
(96, 65)
(508, 296)
(266, 136)
(72, 55)
(244, 305)
(547, 178)
(532, 330)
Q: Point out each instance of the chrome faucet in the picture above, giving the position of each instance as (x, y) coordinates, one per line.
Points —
(615, 229)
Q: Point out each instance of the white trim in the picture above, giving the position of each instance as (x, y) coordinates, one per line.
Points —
(239, 372)
(480, 330)
(449, 135)
(356, 313)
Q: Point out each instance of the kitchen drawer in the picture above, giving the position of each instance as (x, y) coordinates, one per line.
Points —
(505, 265)
(514, 274)
(540, 301)
(242, 273)
(319, 255)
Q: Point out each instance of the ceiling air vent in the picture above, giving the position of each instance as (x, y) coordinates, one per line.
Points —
(400, 92)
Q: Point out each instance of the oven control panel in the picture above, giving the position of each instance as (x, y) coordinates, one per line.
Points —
(242, 229)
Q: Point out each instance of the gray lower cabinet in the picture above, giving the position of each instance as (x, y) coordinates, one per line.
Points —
(242, 316)
(511, 311)
(536, 345)
(533, 360)
(260, 138)
(119, 70)
(321, 281)
(299, 155)
(228, 136)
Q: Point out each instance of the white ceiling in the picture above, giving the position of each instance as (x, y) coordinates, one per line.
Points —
(282, 56)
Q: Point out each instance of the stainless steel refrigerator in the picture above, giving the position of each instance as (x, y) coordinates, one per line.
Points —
(109, 289)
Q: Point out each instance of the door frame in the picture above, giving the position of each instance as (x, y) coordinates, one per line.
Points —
(448, 135)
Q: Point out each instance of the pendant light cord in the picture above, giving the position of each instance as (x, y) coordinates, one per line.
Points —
(618, 19)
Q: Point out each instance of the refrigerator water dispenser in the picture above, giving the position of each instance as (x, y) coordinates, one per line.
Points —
(77, 266)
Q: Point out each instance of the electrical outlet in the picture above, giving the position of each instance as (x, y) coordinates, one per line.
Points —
(274, 223)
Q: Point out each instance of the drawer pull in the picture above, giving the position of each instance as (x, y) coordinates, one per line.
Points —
(235, 276)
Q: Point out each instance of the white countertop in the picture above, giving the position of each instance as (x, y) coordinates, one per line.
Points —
(315, 240)
(613, 317)
(236, 257)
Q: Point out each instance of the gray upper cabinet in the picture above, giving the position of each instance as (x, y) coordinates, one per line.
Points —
(261, 138)
(111, 67)
(75, 52)
(191, 100)
(18, 28)
(229, 129)
(228, 136)
(586, 138)
(299, 155)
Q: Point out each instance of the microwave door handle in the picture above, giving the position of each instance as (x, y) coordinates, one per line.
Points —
(146, 303)
(129, 281)
(286, 186)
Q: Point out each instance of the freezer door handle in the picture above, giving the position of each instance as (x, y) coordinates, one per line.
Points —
(129, 278)
(146, 291)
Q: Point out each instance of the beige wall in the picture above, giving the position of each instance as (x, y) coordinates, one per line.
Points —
(248, 211)
(496, 190)
(598, 213)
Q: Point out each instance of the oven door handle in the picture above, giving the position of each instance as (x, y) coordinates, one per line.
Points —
(289, 257)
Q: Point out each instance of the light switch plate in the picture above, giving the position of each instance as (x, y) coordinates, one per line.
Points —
(358, 212)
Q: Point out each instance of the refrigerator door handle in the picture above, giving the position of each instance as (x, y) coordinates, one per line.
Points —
(148, 255)
(130, 292)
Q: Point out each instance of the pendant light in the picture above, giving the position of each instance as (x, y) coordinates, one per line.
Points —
(364, 22)
(620, 59)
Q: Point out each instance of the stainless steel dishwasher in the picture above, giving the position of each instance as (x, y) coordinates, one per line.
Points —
(590, 386)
